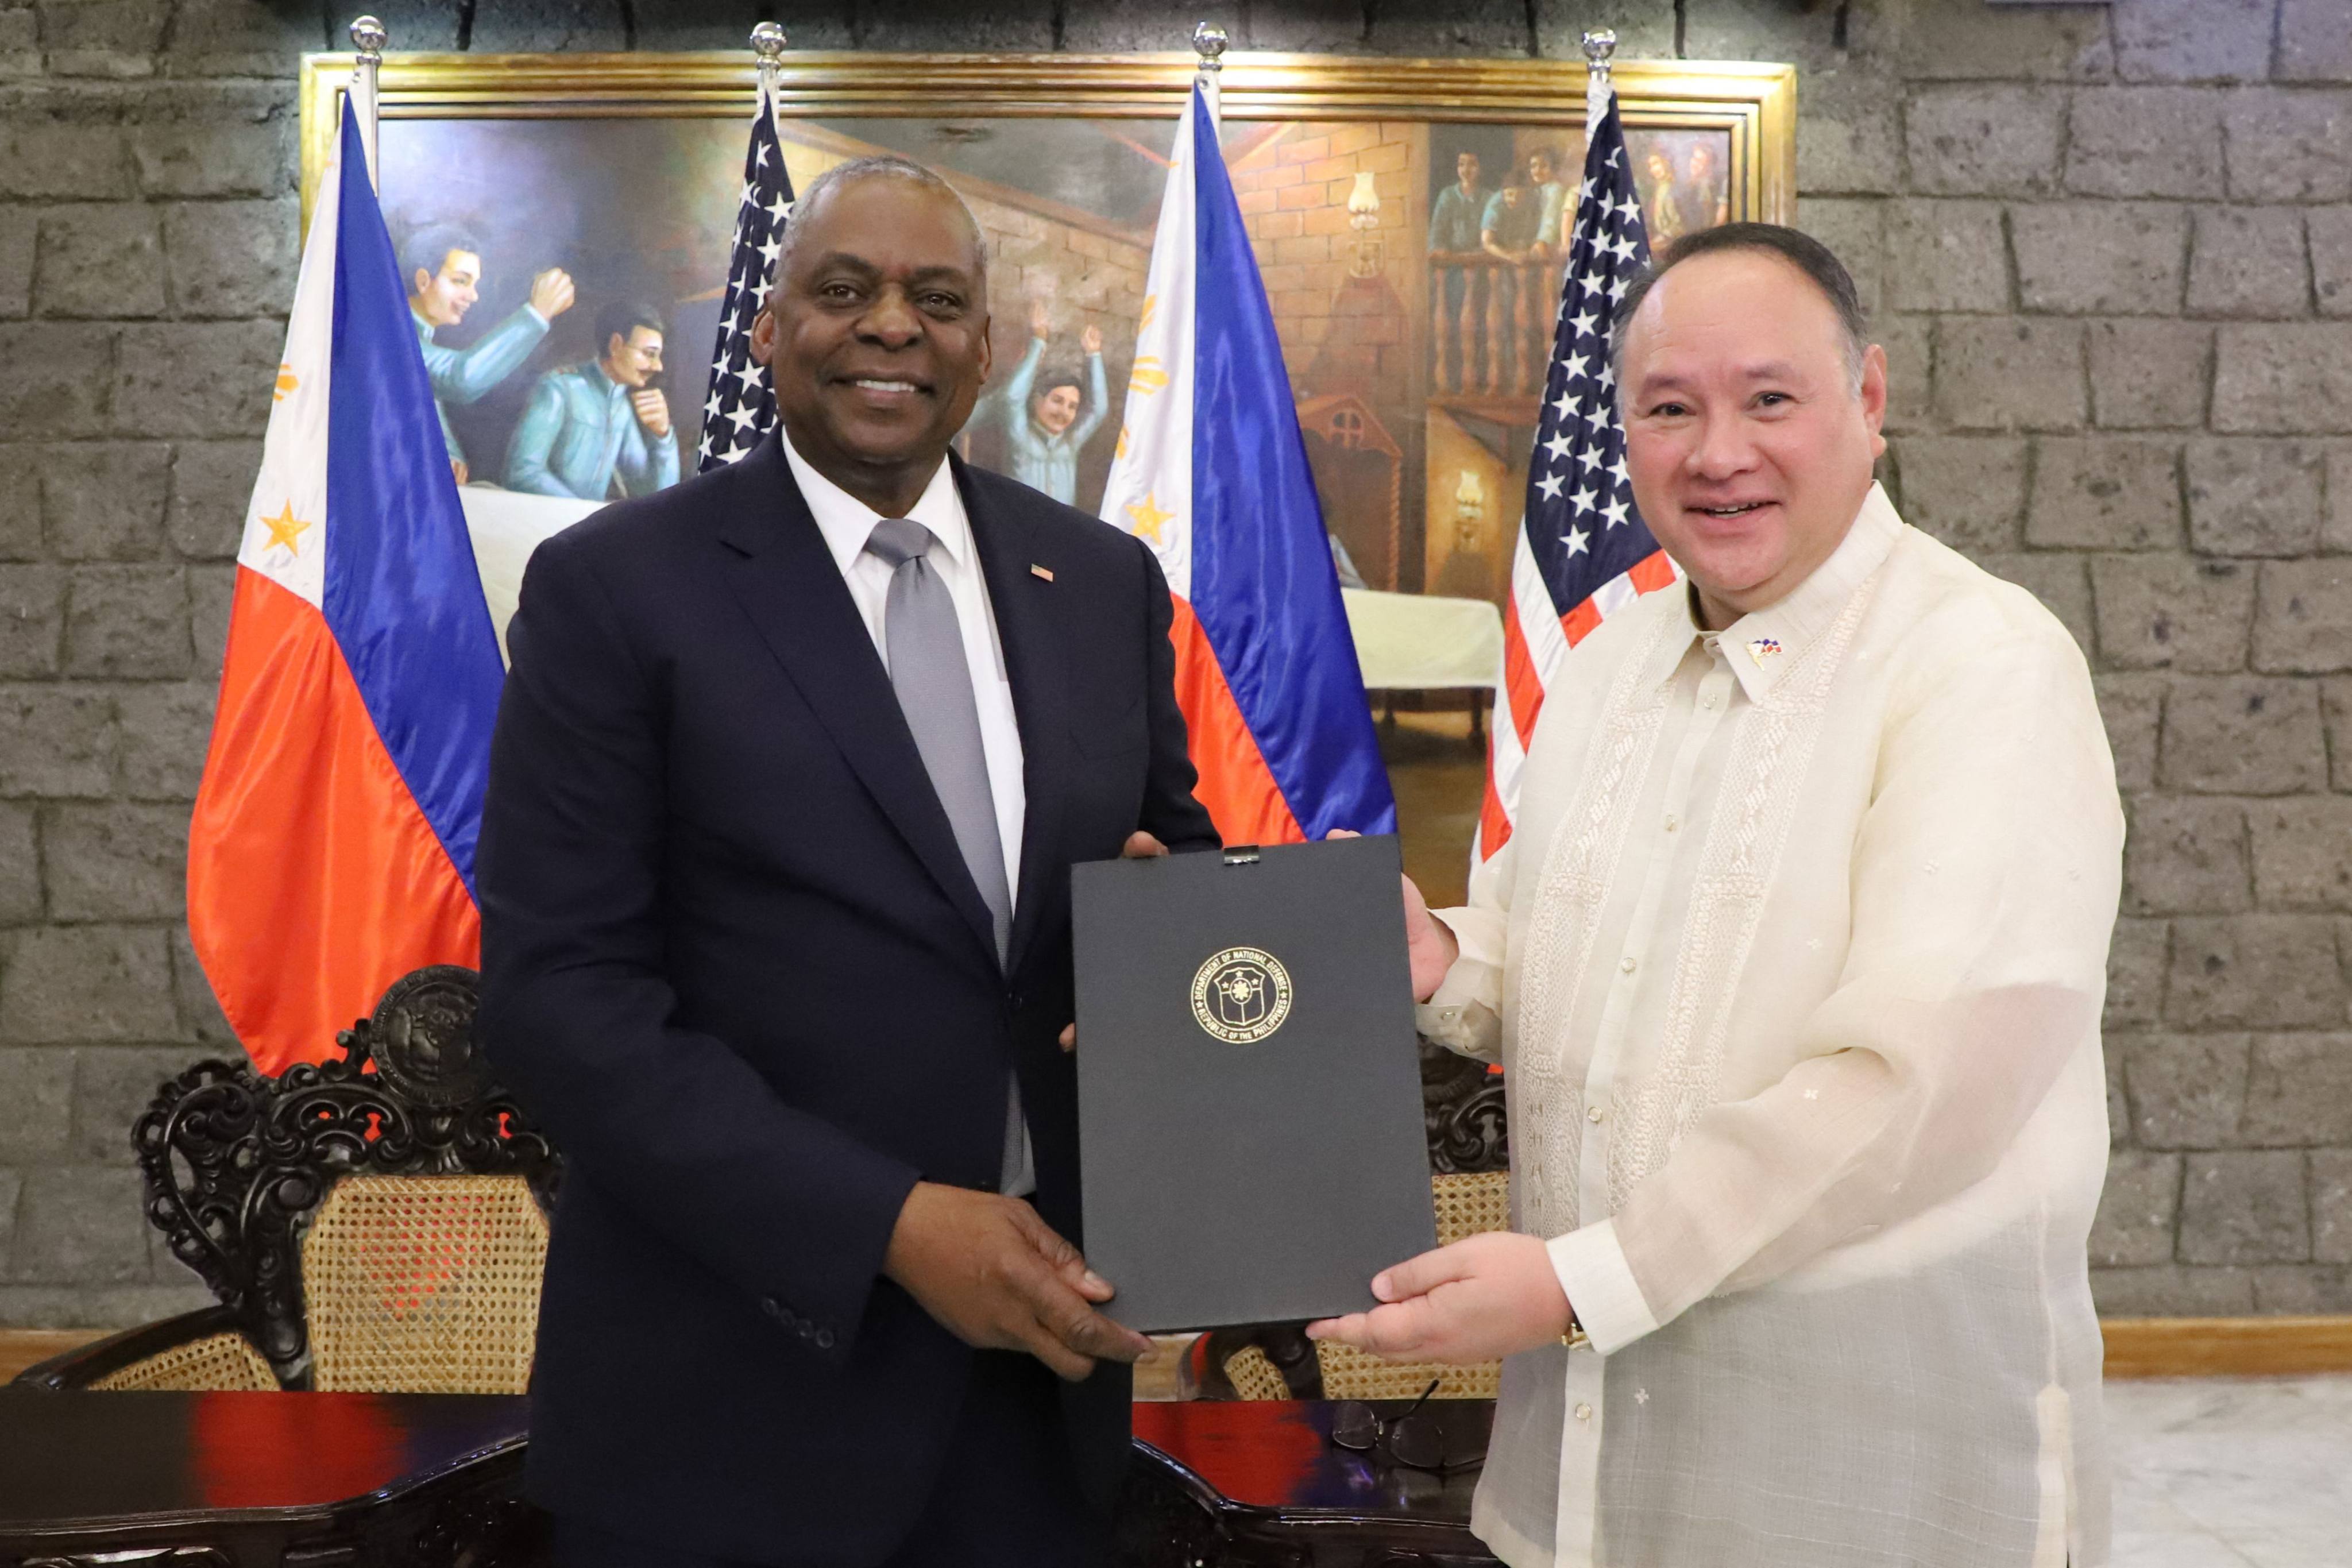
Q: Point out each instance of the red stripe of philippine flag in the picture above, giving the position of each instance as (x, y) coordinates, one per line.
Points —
(1212, 473)
(332, 846)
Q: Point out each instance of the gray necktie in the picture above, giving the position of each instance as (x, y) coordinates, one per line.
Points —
(924, 643)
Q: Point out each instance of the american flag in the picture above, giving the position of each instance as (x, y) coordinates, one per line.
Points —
(1583, 551)
(742, 407)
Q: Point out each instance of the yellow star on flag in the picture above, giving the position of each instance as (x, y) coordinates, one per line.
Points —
(1148, 518)
(286, 382)
(1148, 376)
(284, 530)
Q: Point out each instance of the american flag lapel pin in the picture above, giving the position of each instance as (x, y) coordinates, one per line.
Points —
(1038, 571)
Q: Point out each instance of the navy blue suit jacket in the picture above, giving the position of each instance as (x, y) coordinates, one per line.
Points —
(734, 961)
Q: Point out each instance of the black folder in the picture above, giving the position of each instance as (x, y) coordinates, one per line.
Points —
(1249, 1090)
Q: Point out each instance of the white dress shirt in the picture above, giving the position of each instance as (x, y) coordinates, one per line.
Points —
(847, 523)
(1795, 965)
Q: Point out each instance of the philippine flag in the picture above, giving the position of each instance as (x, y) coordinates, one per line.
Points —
(1212, 471)
(332, 849)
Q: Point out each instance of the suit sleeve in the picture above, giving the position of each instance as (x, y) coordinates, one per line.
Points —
(578, 1015)
(1170, 814)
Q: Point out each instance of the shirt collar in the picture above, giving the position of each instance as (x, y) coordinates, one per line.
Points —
(847, 523)
(1763, 644)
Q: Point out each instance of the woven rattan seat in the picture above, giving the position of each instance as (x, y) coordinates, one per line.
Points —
(424, 1285)
(213, 1363)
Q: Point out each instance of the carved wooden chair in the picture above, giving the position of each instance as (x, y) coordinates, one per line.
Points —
(1470, 1180)
(376, 1223)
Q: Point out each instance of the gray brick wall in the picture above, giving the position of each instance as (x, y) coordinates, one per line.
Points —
(2110, 251)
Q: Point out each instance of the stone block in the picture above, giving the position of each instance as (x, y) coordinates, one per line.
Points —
(19, 229)
(247, 38)
(2170, 1290)
(2010, 374)
(2254, 972)
(1854, 229)
(1984, 140)
(2299, 1091)
(99, 260)
(166, 728)
(2249, 261)
(2145, 142)
(95, 983)
(103, 500)
(2303, 853)
(1644, 31)
(62, 159)
(1946, 255)
(129, 622)
(1124, 26)
(98, 1306)
(20, 867)
(2187, 1091)
(1850, 137)
(2150, 375)
(417, 25)
(2244, 1208)
(2172, 612)
(1910, 359)
(32, 620)
(2138, 1210)
(1023, 26)
(2329, 230)
(1967, 490)
(2249, 497)
(1813, 38)
(2331, 1205)
(2338, 695)
(210, 482)
(2118, 1105)
(2066, 43)
(1434, 28)
(55, 741)
(2105, 493)
(11, 1186)
(2059, 581)
(2242, 736)
(553, 27)
(2304, 1290)
(211, 589)
(2284, 377)
(2133, 707)
(2336, 524)
(248, 154)
(2313, 43)
(2099, 257)
(36, 1102)
(79, 1225)
(60, 373)
(117, 861)
(2136, 964)
(2288, 145)
(234, 362)
(113, 1087)
(200, 1012)
(2302, 623)
(232, 258)
(2183, 856)
(2193, 40)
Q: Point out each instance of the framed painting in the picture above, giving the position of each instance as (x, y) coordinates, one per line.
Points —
(1407, 216)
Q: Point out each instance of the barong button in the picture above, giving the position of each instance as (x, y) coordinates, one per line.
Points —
(1596, 1116)
(1626, 964)
(1584, 1413)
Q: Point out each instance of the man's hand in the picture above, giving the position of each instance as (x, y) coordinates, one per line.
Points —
(457, 467)
(1139, 845)
(1041, 318)
(1090, 340)
(551, 292)
(997, 1277)
(1429, 946)
(1485, 1296)
(652, 410)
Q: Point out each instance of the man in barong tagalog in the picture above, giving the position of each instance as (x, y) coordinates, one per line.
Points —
(1794, 964)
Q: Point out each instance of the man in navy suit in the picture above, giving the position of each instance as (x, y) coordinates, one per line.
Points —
(792, 763)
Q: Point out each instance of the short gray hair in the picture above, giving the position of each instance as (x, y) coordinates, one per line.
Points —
(1800, 249)
(880, 166)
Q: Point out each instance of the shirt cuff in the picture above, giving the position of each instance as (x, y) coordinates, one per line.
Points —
(1602, 1290)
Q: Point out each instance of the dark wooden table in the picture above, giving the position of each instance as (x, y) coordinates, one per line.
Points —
(249, 1480)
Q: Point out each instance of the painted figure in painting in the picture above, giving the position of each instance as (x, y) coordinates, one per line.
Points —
(1551, 232)
(1455, 221)
(445, 276)
(1705, 198)
(1662, 214)
(590, 425)
(1046, 418)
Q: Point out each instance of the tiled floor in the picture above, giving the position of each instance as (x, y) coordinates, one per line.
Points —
(2232, 1473)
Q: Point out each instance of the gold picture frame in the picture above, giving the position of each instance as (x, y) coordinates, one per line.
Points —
(1416, 362)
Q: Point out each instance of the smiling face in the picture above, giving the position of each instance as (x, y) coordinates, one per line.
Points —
(1465, 169)
(876, 335)
(1055, 409)
(1748, 443)
(1539, 168)
(444, 298)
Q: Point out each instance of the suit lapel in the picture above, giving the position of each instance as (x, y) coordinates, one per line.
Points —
(788, 583)
(1022, 604)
